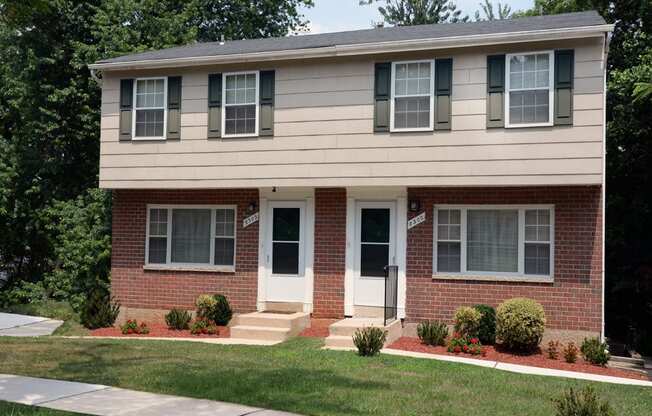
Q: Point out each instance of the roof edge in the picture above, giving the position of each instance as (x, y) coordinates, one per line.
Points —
(364, 48)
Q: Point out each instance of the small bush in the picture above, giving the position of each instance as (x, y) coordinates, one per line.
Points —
(520, 323)
(205, 305)
(222, 312)
(487, 329)
(215, 308)
(203, 327)
(177, 319)
(369, 341)
(570, 352)
(467, 321)
(132, 327)
(594, 351)
(585, 403)
(99, 310)
(459, 343)
(432, 332)
(553, 349)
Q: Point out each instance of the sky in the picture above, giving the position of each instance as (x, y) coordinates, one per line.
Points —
(340, 15)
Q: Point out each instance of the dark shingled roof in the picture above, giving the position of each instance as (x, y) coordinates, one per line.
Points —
(388, 34)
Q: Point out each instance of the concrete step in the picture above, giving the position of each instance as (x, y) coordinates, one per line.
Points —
(292, 321)
(347, 327)
(260, 332)
(338, 341)
(341, 332)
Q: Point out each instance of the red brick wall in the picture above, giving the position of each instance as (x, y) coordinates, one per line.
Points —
(330, 251)
(138, 288)
(572, 302)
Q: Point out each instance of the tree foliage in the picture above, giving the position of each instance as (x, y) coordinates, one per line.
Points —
(49, 112)
(418, 12)
(501, 11)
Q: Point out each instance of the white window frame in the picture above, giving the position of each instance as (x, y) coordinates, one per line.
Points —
(432, 97)
(168, 256)
(520, 274)
(256, 104)
(135, 107)
(550, 88)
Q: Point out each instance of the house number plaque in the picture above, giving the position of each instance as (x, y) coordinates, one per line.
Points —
(416, 220)
(250, 220)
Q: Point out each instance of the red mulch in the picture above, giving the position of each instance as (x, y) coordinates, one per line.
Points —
(158, 330)
(318, 328)
(535, 359)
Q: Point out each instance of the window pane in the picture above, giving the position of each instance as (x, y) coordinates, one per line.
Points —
(240, 89)
(448, 224)
(537, 259)
(529, 106)
(375, 225)
(240, 119)
(149, 123)
(412, 79)
(412, 112)
(191, 230)
(373, 259)
(492, 240)
(285, 258)
(224, 222)
(287, 224)
(448, 257)
(224, 249)
(158, 222)
(157, 250)
(537, 225)
(150, 93)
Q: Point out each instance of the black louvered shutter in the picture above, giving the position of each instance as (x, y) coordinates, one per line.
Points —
(174, 108)
(564, 86)
(266, 123)
(382, 92)
(443, 90)
(214, 105)
(495, 91)
(126, 106)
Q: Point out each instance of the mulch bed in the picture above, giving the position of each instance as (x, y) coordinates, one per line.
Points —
(318, 328)
(158, 330)
(535, 359)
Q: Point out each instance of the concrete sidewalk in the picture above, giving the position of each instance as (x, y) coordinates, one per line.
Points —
(14, 325)
(96, 399)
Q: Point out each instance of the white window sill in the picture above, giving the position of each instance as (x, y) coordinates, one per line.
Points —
(185, 268)
(144, 138)
(490, 278)
(523, 126)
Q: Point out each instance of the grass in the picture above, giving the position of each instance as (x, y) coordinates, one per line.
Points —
(13, 409)
(54, 310)
(300, 377)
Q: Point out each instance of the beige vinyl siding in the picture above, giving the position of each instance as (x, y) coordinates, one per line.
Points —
(324, 134)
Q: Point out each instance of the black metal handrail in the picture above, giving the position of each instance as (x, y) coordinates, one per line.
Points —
(391, 293)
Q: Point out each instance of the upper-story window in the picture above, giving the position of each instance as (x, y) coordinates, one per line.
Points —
(240, 97)
(412, 96)
(529, 98)
(150, 115)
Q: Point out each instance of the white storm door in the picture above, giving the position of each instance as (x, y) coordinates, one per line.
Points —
(375, 237)
(285, 255)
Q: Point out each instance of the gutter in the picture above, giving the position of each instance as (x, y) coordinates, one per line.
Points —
(364, 48)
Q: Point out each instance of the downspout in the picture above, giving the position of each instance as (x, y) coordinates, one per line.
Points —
(605, 52)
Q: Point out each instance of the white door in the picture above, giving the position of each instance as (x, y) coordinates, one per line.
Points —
(285, 257)
(375, 248)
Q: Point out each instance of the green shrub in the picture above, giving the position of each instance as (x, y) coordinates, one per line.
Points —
(467, 321)
(595, 351)
(205, 305)
(203, 327)
(132, 327)
(487, 329)
(178, 319)
(369, 341)
(99, 310)
(222, 312)
(570, 352)
(432, 332)
(520, 323)
(585, 403)
(215, 308)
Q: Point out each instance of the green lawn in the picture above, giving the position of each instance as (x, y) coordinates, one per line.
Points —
(298, 376)
(54, 310)
(12, 409)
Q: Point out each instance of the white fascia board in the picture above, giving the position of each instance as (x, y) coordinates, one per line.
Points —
(365, 48)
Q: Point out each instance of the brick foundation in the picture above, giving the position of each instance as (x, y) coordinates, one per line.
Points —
(330, 252)
(149, 289)
(572, 302)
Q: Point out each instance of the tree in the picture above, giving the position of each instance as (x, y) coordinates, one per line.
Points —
(418, 12)
(503, 11)
(49, 104)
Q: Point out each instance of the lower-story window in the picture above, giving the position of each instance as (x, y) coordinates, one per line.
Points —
(191, 235)
(494, 240)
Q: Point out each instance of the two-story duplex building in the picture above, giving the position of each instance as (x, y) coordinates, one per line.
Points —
(288, 172)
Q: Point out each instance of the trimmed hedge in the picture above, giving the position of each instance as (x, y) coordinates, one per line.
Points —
(520, 323)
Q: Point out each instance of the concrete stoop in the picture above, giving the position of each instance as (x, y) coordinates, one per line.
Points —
(269, 326)
(341, 332)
